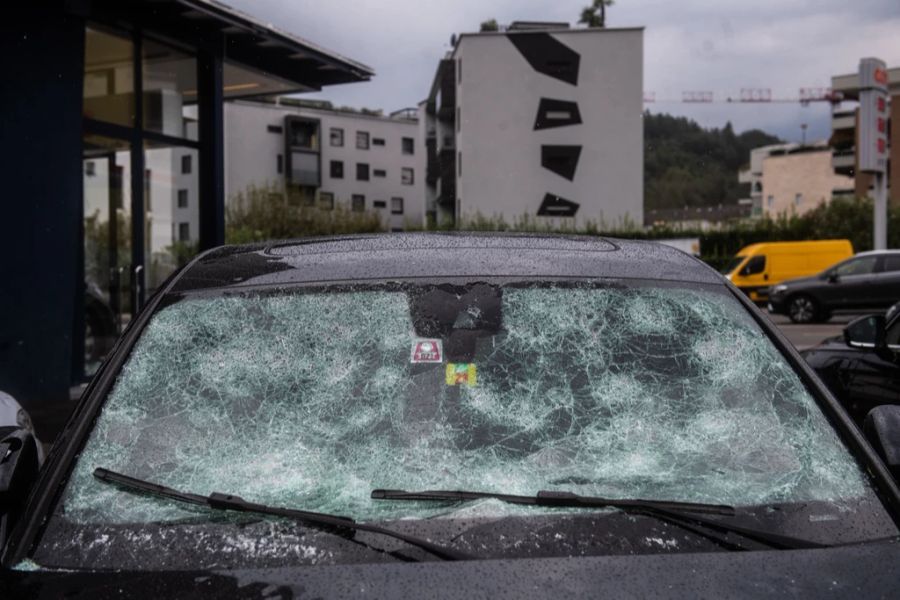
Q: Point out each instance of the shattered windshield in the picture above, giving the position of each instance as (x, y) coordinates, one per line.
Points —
(312, 397)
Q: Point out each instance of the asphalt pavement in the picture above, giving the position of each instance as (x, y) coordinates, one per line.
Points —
(807, 336)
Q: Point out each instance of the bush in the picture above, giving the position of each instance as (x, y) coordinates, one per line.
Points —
(266, 213)
(840, 219)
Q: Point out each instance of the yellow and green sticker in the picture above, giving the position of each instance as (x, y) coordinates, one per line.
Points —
(461, 374)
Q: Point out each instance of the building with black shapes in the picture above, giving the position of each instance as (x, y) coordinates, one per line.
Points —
(537, 123)
(112, 160)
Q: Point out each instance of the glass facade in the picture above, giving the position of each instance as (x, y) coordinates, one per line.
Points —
(108, 77)
(140, 171)
(107, 244)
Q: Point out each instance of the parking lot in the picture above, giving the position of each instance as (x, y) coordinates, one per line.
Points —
(807, 336)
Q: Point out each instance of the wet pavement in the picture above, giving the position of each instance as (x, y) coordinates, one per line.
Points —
(807, 336)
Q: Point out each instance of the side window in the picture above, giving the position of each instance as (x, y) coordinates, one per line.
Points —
(754, 266)
(891, 263)
(857, 266)
(892, 336)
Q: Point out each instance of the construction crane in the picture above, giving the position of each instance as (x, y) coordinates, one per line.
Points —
(805, 97)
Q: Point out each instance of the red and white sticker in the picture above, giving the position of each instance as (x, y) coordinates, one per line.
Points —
(427, 351)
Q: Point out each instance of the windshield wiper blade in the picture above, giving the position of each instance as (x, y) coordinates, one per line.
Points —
(546, 498)
(680, 513)
(218, 501)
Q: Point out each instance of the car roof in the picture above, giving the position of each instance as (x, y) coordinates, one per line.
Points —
(435, 255)
(876, 252)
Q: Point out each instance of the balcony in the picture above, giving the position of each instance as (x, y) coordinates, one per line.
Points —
(447, 194)
(446, 102)
(432, 164)
(843, 120)
(844, 162)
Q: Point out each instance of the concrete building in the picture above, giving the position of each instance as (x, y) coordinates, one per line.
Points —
(844, 135)
(540, 122)
(797, 180)
(323, 156)
(792, 179)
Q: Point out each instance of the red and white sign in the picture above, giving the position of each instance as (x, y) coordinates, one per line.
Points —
(427, 351)
(872, 145)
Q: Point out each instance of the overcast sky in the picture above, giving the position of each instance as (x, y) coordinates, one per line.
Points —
(716, 45)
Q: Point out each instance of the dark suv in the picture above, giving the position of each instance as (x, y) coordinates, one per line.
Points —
(867, 281)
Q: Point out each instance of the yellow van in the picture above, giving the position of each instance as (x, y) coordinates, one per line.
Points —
(758, 266)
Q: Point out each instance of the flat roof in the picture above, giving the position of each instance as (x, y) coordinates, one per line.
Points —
(849, 84)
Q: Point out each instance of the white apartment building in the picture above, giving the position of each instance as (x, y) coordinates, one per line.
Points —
(538, 121)
(324, 156)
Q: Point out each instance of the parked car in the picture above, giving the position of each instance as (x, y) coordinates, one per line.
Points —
(758, 267)
(868, 281)
(522, 416)
(13, 416)
(862, 366)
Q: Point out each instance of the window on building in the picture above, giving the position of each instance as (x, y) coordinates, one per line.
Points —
(408, 145)
(182, 198)
(459, 162)
(379, 173)
(407, 176)
(274, 129)
(336, 135)
(378, 141)
(362, 172)
(336, 169)
(459, 71)
(798, 199)
(379, 204)
(770, 201)
(279, 166)
(90, 169)
(186, 164)
(396, 206)
(358, 203)
(458, 118)
(184, 232)
(326, 200)
(362, 140)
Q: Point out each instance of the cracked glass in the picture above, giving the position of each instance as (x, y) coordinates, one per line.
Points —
(312, 397)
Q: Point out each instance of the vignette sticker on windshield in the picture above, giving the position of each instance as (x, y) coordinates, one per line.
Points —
(426, 351)
(461, 374)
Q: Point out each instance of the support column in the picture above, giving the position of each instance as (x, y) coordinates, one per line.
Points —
(212, 149)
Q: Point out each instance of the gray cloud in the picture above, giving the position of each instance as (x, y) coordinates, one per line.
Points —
(717, 45)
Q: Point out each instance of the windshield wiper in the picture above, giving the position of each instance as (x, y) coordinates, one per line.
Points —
(684, 514)
(332, 523)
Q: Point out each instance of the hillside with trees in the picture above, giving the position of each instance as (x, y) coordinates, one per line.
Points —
(687, 165)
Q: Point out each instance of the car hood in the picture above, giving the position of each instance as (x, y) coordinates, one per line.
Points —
(868, 570)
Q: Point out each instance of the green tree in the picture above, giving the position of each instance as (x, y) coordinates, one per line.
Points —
(490, 25)
(595, 14)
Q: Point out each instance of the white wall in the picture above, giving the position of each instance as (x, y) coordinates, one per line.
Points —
(251, 156)
(500, 151)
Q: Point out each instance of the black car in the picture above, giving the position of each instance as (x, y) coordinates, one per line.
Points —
(862, 367)
(867, 281)
(452, 416)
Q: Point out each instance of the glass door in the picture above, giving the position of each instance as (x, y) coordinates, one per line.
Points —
(107, 225)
